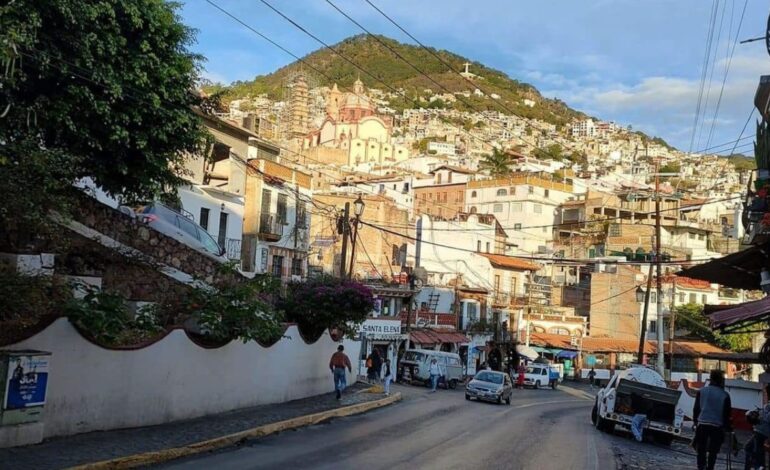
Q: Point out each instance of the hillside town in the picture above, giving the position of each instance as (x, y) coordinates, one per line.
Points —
(190, 268)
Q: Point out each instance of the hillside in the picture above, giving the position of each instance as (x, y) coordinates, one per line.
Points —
(385, 66)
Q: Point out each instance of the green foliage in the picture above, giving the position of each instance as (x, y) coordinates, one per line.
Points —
(672, 167)
(100, 89)
(691, 316)
(28, 298)
(552, 152)
(742, 162)
(234, 307)
(579, 158)
(104, 316)
(497, 164)
(382, 63)
(436, 104)
(328, 302)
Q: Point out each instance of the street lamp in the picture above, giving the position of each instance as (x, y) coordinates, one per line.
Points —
(640, 294)
(358, 210)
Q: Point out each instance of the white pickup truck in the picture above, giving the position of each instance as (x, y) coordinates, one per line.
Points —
(639, 390)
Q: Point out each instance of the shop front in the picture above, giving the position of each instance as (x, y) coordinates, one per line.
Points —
(384, 336)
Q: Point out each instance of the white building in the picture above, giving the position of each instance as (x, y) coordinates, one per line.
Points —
(442, 148)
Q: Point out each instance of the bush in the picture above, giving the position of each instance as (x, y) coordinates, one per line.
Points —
(328, 302)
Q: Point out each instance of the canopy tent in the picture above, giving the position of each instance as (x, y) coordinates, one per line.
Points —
(542, 350)
(745, 314)
(566, 354)
(527, 352)
(739, 270)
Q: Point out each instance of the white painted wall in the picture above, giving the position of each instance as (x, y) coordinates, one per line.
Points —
(91, 388)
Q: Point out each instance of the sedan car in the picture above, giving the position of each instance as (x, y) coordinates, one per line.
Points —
(489, 385)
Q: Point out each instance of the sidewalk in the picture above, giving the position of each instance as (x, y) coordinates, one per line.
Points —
(92, 447)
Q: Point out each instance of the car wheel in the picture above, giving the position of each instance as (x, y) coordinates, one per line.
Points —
(467, 397)
(537, 385)
(453, 384)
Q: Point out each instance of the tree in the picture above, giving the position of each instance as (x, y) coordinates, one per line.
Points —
(552, 152)
(497, 164)
(327, 302)
(578, 157)
(99, 89)
(672, 167)
(692, 318)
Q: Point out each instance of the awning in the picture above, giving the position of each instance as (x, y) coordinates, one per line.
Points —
(546, 350)
(745, 313)
(565, 354)
(737, 270)
(526, 352)
(437, 337)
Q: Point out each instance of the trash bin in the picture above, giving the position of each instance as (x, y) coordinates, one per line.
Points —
(24, 376)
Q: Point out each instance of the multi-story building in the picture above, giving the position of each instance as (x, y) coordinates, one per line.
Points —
(443, 196)
(525, 204)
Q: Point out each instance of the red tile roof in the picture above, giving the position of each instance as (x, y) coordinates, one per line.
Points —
(427, 336)
(509, 262)
(593, 344)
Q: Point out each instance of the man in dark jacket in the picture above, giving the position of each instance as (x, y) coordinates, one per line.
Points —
(711, 415)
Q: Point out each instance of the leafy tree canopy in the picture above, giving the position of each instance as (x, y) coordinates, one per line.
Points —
(552, 152)
(497, 164)
(692, 318)
(99, 89)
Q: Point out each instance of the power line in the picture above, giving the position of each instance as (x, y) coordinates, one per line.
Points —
(727, 65)
(704, 69)
(713, 68)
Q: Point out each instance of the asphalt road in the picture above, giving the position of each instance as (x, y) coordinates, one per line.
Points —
(541, 429)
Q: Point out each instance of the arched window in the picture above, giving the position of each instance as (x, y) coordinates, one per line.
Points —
(473, 209)
(502, 192)
(473, 194)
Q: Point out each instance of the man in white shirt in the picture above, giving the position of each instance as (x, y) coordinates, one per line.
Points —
(435, 373)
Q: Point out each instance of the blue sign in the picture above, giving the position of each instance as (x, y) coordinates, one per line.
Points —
(591, 361)
(26, 382)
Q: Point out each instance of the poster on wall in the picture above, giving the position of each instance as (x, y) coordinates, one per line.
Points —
(26, 382)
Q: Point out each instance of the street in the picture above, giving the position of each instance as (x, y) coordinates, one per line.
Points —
(541, 429)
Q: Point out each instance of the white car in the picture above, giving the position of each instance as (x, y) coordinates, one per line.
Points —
(175, 225)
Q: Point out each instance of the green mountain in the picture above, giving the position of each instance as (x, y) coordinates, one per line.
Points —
(388, 68)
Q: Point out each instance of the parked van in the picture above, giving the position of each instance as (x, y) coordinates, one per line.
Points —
(415, 366)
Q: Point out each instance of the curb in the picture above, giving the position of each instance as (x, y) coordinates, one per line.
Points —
(165, 455)
(576, 392)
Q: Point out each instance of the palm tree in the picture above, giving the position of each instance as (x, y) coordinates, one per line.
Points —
(497, 164)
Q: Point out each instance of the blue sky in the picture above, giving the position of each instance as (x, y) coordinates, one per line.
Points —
(632, 61)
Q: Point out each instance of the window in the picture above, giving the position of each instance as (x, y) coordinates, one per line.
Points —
(473, 194)
(614, 230)
(438, 178)
(546, 193)
(692, 236)
(701, 237)
(478, 246)
(653, 326)
(502, 192)
(515, 207)
(301, 215)
(281, 209)
(204, 218)
(487, 247)
(681, 298)
(557, 330)
(473, 209)
(538, 208)
(517, 226)
(222, 228)
(653, 297)
(703, 299)
(296, 266)
(443, 197)
(277, 266)
(497, 208)
(531, 189)
(692, 298)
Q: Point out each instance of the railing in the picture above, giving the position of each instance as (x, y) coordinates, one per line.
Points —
(270, 227)
(233, 248)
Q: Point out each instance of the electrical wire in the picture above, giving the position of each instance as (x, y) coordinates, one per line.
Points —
(704, 69)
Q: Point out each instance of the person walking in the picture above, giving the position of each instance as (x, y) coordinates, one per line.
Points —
(591, 377)
(711, 416)
(520, 380)
(387, 376)
(337, 364)
(755, 448)
(435, 372)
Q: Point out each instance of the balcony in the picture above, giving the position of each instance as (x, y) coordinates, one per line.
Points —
(270, 227)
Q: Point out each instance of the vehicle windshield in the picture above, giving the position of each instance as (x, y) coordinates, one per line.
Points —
(533, 370)
(489, 377)
(414, 356)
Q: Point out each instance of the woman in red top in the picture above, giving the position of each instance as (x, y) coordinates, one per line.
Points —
(520, 380)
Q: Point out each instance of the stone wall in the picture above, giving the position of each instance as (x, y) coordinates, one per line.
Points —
(161, 248)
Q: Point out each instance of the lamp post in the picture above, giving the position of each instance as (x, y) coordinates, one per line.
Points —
(358, 210)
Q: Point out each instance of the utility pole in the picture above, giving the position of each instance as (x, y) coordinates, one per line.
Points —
(345, 229)
(658, 273)
(643, 333)
(671, 329)
(418, 227)
(529, 307)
